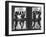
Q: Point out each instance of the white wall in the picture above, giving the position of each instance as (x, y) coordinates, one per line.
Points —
(2, 18)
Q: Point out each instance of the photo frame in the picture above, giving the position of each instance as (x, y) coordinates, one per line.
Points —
(24, 18)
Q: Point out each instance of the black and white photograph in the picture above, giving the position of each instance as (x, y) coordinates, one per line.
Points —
(24, 18)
